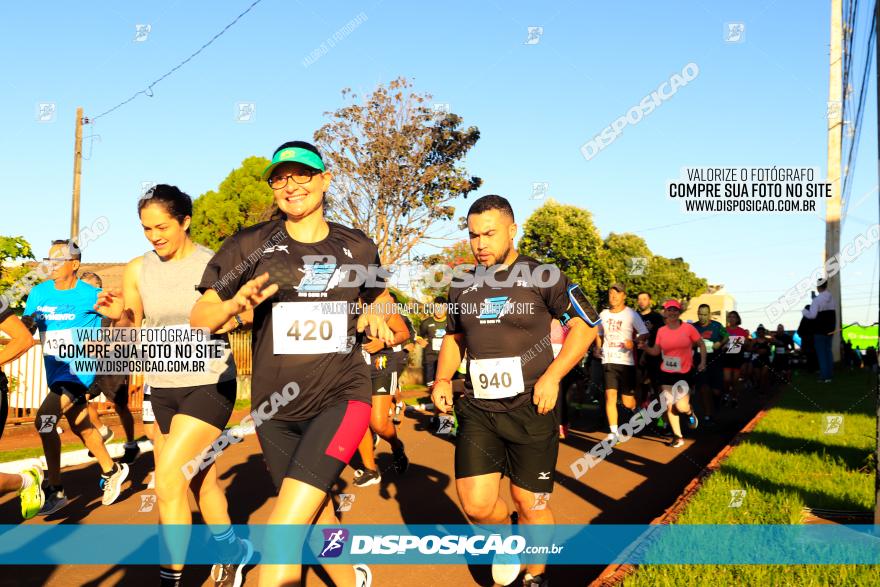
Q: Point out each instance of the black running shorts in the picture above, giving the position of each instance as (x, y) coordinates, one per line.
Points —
(209, 403)
(668, 379)
(77, 393)
(384, 383)
(620, 377)
(520, 444)
(314, 451)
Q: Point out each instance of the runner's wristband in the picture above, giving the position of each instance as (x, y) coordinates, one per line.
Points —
(439, 379)
(239, 320)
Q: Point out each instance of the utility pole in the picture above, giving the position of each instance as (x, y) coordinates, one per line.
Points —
(835, 126)
(77, 174)
(877, 377)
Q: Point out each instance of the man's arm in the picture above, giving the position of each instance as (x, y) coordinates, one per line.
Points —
(580, 336)
(20, 339)
(451, 353)
(811, 312)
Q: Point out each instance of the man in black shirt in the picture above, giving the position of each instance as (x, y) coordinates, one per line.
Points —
(431, 332)
(649, 366)
(507, 424)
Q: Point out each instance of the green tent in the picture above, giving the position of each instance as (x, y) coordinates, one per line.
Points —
(861, 337)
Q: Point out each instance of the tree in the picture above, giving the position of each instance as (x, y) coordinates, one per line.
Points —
(566, 236)
(672, 278)
(631, 262)
(455, 254)
(243, 199)
(11, 249)
(452, 255)
(396, 166)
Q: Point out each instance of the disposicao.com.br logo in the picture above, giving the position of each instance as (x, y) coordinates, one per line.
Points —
(454, 544)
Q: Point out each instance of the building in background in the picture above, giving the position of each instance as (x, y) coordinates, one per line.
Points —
(720, 302)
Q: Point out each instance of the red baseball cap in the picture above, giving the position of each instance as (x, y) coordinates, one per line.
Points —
(671, 304)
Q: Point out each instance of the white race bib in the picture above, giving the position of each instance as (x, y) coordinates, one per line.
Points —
(52, 339)
(496, 378)
(437, 341)
(709, 345)
(147, 411)
(309, 328)
(672, 364)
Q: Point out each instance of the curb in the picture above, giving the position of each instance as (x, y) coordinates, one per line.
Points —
(614, 574)
(71, 458)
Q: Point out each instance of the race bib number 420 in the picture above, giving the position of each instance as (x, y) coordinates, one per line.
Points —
(496, 378)
(309, 328)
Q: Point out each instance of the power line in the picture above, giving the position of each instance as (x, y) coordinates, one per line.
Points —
(148, 91)
(856, 124)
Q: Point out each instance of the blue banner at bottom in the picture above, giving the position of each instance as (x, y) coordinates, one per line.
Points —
(67, 544)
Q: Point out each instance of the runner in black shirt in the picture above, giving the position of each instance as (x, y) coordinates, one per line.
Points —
(307, 361)
(431, 332)
(649, 365)
(383, 377)
(506, 419)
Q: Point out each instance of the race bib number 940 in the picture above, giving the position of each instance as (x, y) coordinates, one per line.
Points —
(496, 378)
(309, 328)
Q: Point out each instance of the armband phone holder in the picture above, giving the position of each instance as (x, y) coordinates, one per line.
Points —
(581, 307)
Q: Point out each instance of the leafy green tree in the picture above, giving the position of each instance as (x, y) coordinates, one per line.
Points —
(242, 199)
(566, 236)
(397, 165)
(630, 261)
(13, 248)
(452, 255)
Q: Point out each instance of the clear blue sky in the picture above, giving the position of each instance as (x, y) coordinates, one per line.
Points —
(761, 102)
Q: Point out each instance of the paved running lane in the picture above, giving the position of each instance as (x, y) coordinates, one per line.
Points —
(638, 481)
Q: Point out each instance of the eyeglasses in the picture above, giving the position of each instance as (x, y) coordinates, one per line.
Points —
(280, 182)
(57, 259)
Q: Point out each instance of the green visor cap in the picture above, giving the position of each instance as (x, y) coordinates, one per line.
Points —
(294, 155)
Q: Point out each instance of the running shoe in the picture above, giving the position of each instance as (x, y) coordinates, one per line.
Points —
(231, 575)
(366, 477)
(693, 422)
(363, 577)
(398, 408)
(54, 500)
(676, 442)
(113, 483)
(536, 581)
(130, 454)
(505, 568)
(400, 460)
(32, 498)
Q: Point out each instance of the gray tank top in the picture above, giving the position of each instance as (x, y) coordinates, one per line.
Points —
(168, 292)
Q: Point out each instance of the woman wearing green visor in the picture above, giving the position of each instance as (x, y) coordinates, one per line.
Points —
(289, 270)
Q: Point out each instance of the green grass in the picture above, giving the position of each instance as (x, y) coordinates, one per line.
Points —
(788, 462)
(37, 451)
